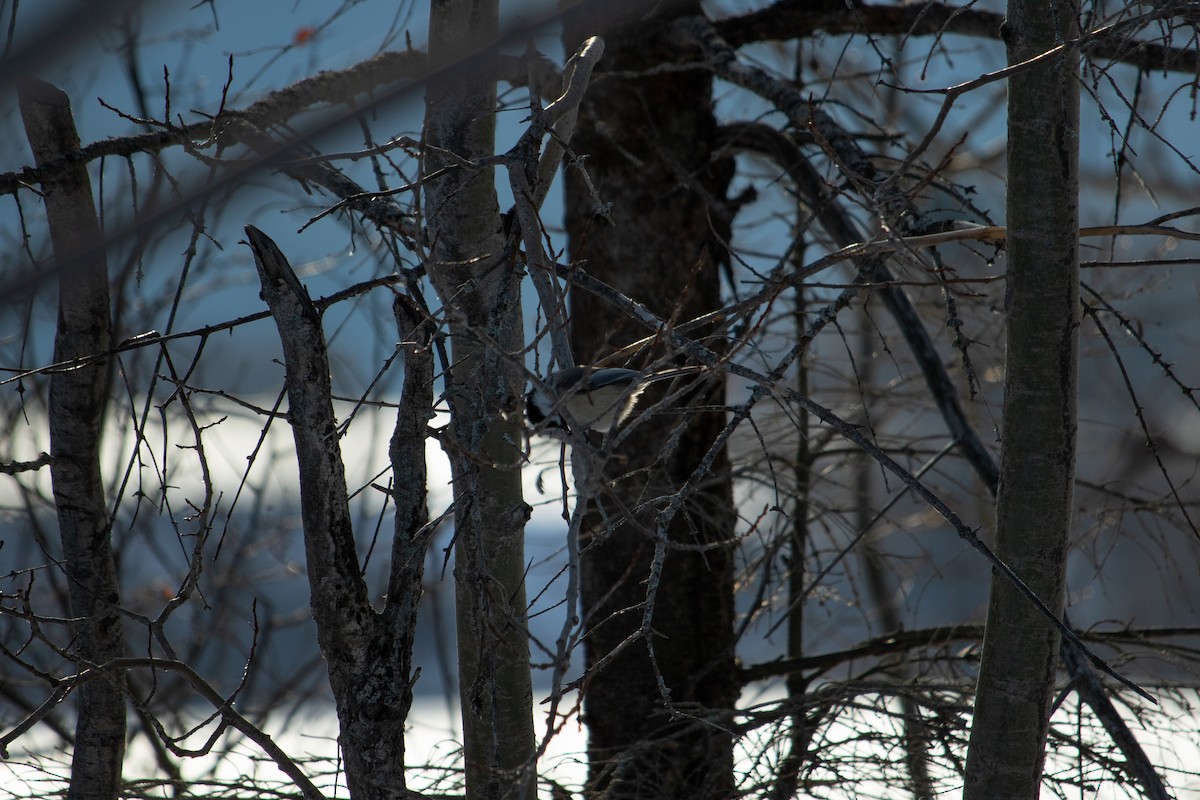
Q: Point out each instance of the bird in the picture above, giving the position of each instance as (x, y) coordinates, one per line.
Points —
(594, 399)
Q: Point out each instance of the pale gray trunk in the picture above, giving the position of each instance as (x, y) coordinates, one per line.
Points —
(481, 291)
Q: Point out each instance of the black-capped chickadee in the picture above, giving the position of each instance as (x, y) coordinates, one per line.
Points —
(595, 399)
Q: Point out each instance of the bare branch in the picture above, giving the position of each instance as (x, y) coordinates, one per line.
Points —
(530, 184)
(853, 433)
(202, 687)
(13, 467)
(785, 20)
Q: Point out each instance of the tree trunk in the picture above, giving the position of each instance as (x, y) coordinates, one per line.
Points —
(481, 292)
(649, 147)
(77, 399)
(368, 652)
(1037, 469)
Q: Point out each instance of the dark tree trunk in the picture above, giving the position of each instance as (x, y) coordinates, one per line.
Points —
(649, 146)
(368, 652)
(1035, 503)
(76, 415)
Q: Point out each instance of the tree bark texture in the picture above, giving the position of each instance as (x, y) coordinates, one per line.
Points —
(368, 652)
(480, 290)
(649, 144)
(77, 398)
(1034, 513)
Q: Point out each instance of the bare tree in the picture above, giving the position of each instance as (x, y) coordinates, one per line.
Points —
(368, 653)
(657, 575)
(472, 268)
(770, 580)
(1034, 507)
(76, 414)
